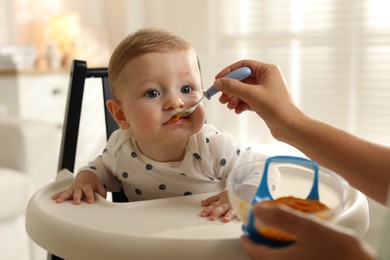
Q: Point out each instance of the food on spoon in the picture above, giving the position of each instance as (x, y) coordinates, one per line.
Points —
(304, 205)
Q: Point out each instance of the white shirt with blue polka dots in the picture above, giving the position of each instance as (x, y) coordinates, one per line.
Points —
(210, 156)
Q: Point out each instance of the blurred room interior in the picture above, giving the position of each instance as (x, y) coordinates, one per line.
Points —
(335, 55)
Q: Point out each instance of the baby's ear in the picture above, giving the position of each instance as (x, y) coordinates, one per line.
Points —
(115, 108)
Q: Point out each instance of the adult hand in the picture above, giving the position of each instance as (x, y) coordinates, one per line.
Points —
(315, 239)
(264, 91)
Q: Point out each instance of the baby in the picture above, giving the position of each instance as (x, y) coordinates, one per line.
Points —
(153, 75)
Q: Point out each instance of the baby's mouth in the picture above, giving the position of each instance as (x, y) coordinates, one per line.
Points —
(176, 118)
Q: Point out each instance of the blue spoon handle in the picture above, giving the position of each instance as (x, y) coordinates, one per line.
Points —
(238, 74)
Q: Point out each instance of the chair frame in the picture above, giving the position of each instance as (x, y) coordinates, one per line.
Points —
(78, 74)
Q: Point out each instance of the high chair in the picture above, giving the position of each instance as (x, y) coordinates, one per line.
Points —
(167, 228)
(79, 74)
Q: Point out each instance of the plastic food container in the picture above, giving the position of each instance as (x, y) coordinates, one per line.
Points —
(297, 180)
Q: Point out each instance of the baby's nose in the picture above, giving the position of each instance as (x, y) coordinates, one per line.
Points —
(174, 102)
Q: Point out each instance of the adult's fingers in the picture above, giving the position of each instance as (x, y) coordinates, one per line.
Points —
(259, 251)
(252, 64)
(235, 89)
(287, 219)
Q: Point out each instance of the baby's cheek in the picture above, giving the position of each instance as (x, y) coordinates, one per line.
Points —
(201, 113)
(198, 123)
(145, 127)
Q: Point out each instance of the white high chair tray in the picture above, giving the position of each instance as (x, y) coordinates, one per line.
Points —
(168, 228)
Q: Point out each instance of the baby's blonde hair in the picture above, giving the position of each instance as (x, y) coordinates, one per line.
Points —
(141, 42)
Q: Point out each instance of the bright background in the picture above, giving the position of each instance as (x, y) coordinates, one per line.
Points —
(335, 53)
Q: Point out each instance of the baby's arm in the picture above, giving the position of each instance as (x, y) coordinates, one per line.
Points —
(217, 206)
(84, 185)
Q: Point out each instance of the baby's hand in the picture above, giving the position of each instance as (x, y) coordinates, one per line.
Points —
(85, 184)
(217, 206)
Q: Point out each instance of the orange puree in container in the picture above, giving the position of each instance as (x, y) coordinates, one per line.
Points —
(304, 205)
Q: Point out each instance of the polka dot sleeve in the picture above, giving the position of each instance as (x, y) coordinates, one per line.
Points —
(224, 154)
(104, 165)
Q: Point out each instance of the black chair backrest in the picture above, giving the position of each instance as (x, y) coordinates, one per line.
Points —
(78, 74)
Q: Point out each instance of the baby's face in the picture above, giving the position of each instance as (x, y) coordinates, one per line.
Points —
(154, 87)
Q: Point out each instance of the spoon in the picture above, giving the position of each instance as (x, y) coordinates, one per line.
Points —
(238, 74)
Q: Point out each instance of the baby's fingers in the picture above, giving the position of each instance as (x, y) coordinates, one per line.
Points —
(89, 194)
(101, 191)
(210, 200)
(229, 216)
(77, 196)
(214, 211)
(63, 195)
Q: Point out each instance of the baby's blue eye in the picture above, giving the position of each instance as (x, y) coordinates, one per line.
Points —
(186, 89)
(152, 94)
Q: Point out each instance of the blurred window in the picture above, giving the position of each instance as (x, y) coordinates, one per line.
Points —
(335, 55)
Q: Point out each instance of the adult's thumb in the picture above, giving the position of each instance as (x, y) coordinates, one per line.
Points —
(234, 88)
